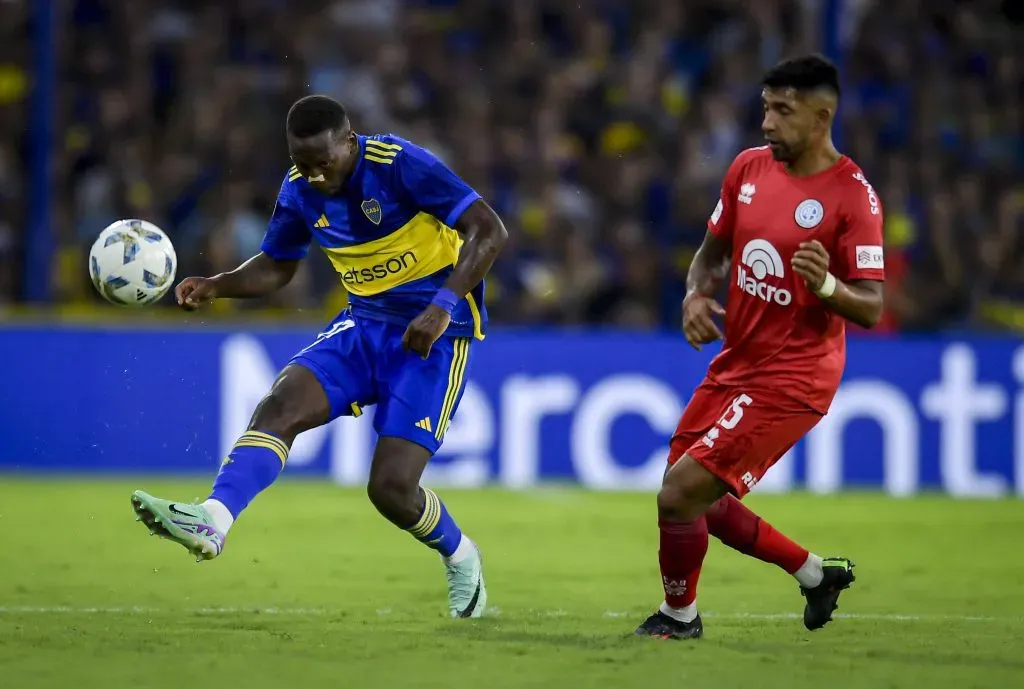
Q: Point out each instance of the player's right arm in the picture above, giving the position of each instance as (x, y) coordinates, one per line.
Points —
(285, 244)
(259, 276)
(710, 266)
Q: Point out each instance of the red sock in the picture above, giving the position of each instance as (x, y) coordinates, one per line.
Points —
(683, 547)
(731, 522)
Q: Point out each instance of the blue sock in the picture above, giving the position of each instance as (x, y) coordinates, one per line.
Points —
(435, 527)
(255, 461)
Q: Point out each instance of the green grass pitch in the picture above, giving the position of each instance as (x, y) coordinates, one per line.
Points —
(315, 590)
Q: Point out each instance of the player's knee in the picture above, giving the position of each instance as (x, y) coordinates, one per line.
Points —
(687, 491)
(394, 496)
(292, 406)
(672, 501)
(275, 416)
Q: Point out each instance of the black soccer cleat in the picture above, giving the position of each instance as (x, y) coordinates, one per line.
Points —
(661, 626)
(822, 599)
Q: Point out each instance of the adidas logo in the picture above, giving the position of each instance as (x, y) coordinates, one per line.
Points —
(322, 222)
(381, 151)
(425, 425)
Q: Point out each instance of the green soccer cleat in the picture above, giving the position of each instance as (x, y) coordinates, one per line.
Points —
(182, 522)
(467, 592)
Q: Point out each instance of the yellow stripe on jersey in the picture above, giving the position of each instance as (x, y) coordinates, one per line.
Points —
(380, 152)
(294, 174)
(419, 248)
(383, 144)
(460, 357)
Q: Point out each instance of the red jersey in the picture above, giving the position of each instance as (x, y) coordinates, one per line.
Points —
(778, 334)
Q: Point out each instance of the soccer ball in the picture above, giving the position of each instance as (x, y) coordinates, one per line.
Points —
(132, 263)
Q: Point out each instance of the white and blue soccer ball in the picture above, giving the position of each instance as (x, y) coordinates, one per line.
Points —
(132, 263)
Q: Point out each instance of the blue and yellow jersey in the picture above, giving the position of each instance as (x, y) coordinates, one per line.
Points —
(388, 232)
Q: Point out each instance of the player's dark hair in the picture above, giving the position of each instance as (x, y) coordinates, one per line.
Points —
(311, 115)
(804, 73)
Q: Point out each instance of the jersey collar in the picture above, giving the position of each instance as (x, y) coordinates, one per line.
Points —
(361, 145)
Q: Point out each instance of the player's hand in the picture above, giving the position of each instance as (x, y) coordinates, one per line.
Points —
(698, 325)
(425, 330)
(811, 263)
(192, 293)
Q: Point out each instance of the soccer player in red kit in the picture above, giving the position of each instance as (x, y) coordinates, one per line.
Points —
(798, 234)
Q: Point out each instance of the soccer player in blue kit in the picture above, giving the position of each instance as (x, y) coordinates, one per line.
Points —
(412, 243)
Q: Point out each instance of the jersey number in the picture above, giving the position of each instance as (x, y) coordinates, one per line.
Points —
(732, 417)
(331, 332)
(729, 420)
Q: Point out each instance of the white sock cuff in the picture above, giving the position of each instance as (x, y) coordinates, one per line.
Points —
(463, 550)
(685, 614)
(810, 573)
(221, 515)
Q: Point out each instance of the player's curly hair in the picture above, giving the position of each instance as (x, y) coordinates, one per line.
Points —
(804, 73)
(311, 115)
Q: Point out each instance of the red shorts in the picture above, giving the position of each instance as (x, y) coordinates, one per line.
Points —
(738, 433)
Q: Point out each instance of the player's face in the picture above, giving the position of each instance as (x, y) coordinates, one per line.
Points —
(325, 159)
(788, 123)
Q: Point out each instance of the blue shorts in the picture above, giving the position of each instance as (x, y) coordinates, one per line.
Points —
(360, 362)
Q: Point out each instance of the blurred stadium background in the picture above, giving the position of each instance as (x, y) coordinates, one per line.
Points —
(599, 130)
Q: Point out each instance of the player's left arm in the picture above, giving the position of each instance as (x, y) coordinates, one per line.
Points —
(850, 282)
(483, 237)
(435, 189)
(858, 301)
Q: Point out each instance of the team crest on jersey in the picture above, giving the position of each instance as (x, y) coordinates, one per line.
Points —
(371, 209)
(809, 214)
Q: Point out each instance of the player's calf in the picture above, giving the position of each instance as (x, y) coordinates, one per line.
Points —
(394, 483)
(821, 581)
(738, 527)
(688, 489)
(394, 490)
(295, 403)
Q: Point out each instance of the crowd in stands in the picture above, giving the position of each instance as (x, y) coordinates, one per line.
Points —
(598, 129)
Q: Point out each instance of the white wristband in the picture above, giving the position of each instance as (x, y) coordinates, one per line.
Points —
(828, 288)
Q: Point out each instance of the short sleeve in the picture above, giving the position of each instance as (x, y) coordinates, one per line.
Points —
(860, 253)
(431, 185)
(287, 237)
(723, 218)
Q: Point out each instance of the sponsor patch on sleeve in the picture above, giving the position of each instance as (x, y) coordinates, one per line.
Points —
(870, 258)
